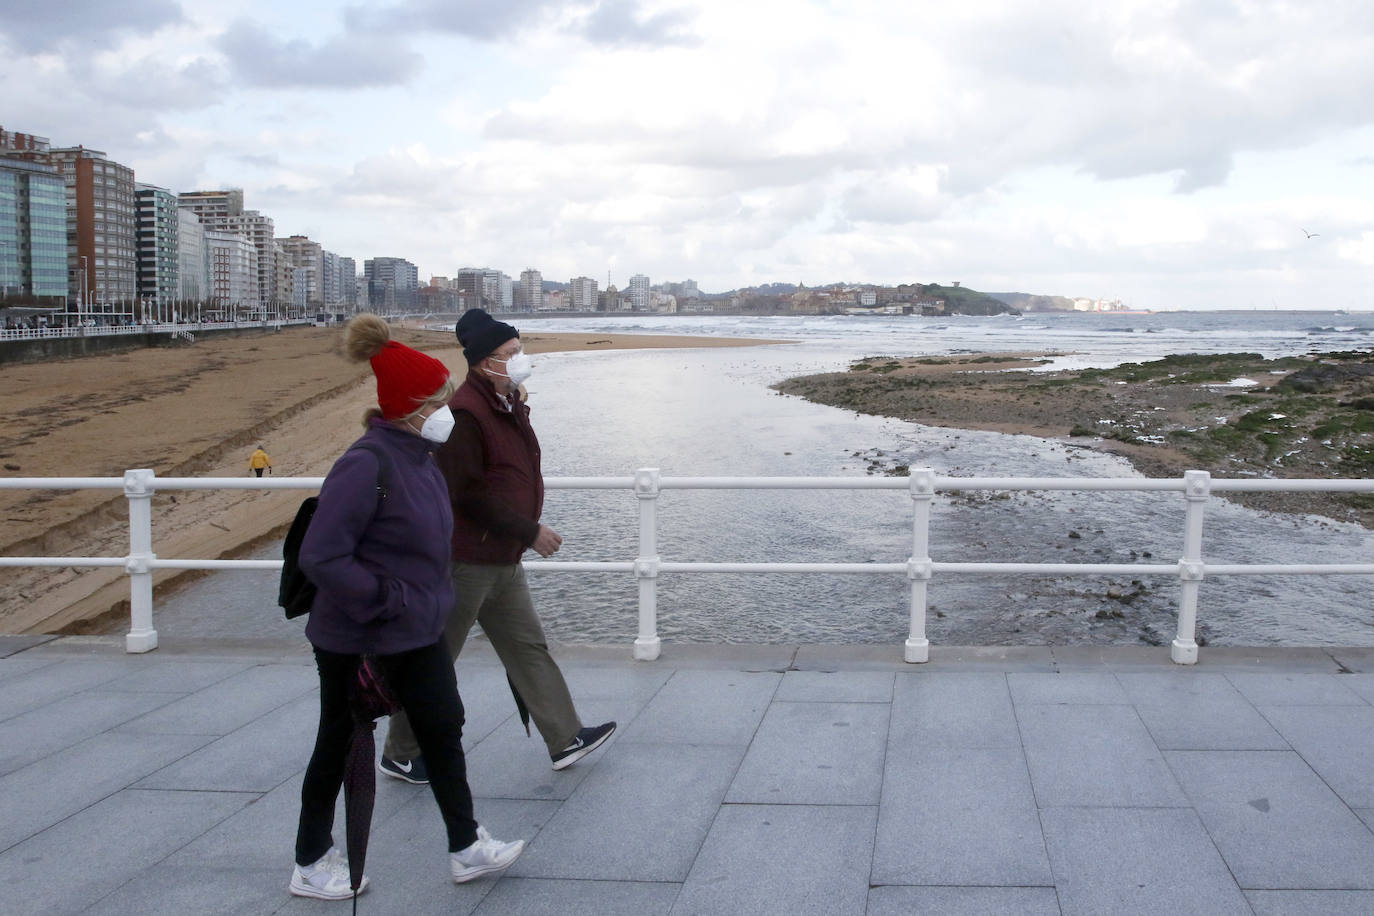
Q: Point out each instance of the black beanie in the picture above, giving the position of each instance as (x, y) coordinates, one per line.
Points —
(480, 334)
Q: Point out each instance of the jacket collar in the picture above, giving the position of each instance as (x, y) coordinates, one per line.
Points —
(406, 442)
(483, 386)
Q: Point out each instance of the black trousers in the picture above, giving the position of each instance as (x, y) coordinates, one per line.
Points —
(423, 681)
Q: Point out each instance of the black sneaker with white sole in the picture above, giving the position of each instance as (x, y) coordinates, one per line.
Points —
(586, 741)
(412, 771)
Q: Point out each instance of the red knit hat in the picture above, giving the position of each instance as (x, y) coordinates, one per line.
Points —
(406, 378)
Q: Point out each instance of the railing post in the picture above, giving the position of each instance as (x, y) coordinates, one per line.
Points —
(1197, 488)
(647, 644)
(138, 489)
(922, 482)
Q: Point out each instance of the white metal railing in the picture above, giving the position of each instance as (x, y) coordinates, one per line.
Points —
(647, 484)
(184, 328)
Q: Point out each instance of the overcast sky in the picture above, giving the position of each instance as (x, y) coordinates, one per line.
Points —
(1170, 154)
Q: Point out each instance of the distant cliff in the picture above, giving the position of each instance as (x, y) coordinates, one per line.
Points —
(1029, 302)
(960, 300)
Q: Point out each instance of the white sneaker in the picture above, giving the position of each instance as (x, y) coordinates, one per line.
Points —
(483, 857)
(326, 879)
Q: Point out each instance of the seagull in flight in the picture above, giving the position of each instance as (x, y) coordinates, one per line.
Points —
(1310, 235)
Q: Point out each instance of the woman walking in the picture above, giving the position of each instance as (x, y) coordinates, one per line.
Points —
(377, 549)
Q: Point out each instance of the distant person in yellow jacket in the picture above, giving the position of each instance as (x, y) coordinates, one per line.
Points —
(259, 461)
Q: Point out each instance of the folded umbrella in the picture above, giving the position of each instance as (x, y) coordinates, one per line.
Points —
(369, 699)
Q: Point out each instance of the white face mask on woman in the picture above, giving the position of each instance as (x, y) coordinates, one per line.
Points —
(518, 368)
(438, 426)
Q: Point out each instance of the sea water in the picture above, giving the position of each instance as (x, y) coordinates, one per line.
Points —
(711, 412)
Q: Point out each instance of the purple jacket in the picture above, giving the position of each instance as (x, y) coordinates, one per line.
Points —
(381, 564)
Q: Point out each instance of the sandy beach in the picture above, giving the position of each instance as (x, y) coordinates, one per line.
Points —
(194, 410)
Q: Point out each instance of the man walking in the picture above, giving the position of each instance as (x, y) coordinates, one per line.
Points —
(492, 465)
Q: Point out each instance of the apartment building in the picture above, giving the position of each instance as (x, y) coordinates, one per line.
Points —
(193, 258)
(233, 274)
(582, 294)
(102, 254)
(348, 284)
(308, 255)
(33, 229)
(159, 237)
(392, 284)
(530, 297)
(639, 293)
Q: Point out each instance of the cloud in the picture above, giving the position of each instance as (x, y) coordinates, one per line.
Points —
(39, 25)
(614, 23)
(479, 19)
(352, 60)
(623, 23)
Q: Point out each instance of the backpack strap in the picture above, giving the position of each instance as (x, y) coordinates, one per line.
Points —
(383, 466)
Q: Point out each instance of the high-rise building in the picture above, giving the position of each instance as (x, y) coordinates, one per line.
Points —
(582, 291)
(223, 211)
(233, 274)
(213, 205)
(33, 230)
(158, 243)
(348, 284)
(329, 279)
(193, 261)
(284, 285)
(300, 282)
(261, 231)
(392, 284)
(309, 255)
(102, 261)
(531, 295)
(499, 289)
(639, 293)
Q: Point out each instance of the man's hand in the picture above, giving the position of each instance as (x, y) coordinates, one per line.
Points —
(547, 541)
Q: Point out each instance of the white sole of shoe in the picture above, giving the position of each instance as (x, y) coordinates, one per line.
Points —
(401, 776)
(305, 890)
(583, 752)
(472, 874)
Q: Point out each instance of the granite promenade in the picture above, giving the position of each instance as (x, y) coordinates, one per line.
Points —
(743, 780)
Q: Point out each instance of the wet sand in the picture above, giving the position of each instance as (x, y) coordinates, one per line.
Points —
(1168, 416)
(193, 410)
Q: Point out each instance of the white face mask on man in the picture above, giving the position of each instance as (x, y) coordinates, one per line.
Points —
(518, 368)
(438, 426)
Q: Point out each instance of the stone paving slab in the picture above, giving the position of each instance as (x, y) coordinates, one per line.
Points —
(1275, 821)
(1027, 780)
(1337, 742)
(1198, 712)
(541, 897)
(959, 816)
(794, 859)
(641, 815)
(42, 794)
(1290, 689)
(1096, 756)
(1311, 903)
(75, 863)
(50, 729)
(814, 754)
(707, 707)
(12, 645)
(963, 901)
(962, 709)
(1138, 860)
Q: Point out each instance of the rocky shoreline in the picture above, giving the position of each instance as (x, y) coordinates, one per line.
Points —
(1232, 414)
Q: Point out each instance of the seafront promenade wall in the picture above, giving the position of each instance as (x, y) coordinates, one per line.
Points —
(45, 349)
